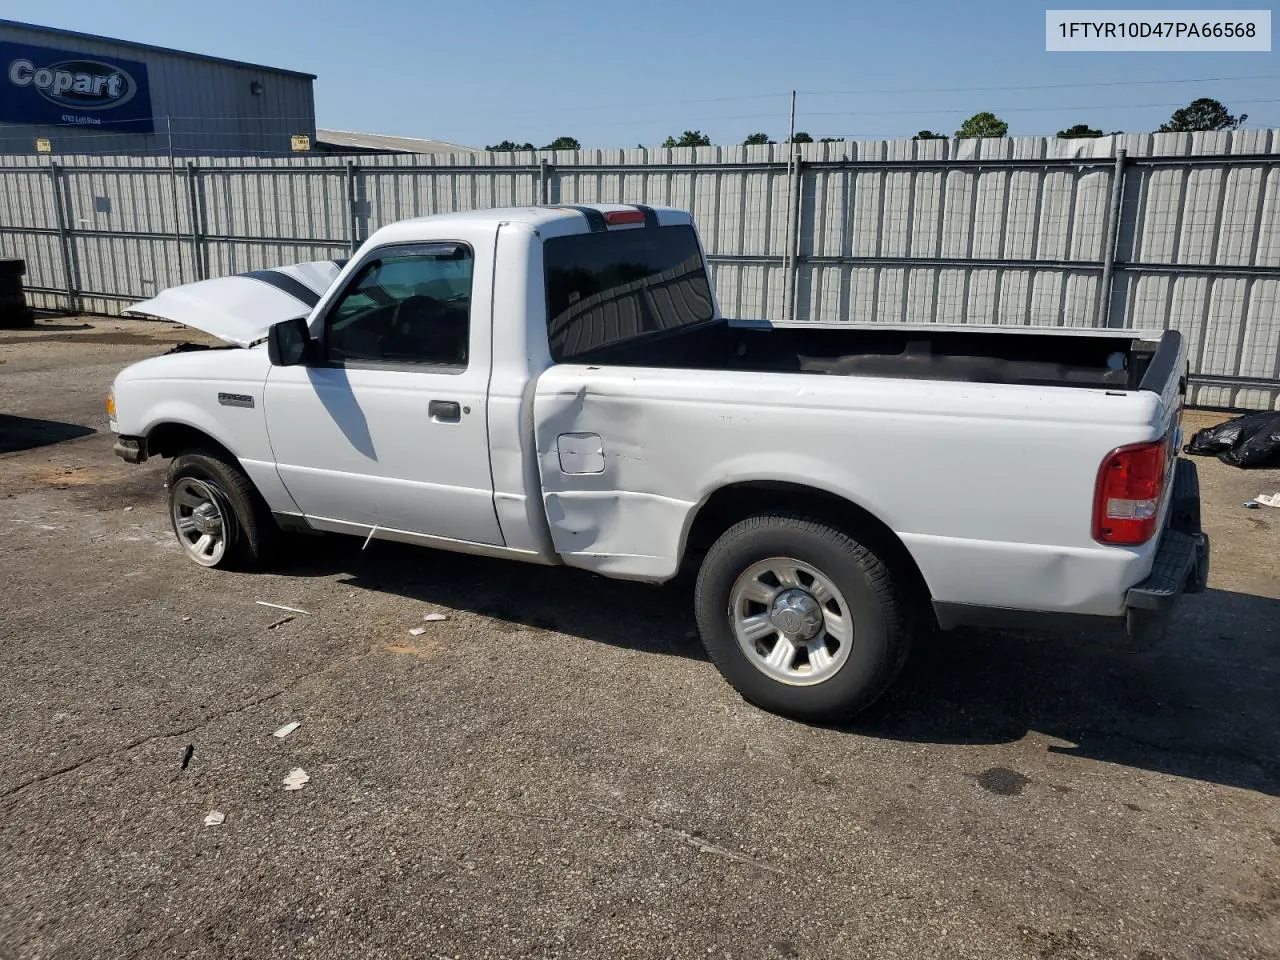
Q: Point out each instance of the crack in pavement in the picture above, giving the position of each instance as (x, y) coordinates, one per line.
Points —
(698, 843)
(183, 731)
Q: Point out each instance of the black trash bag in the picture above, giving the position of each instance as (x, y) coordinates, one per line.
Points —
(1249, 441)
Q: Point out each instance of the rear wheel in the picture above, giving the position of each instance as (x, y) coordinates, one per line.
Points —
(217, 514)
(800, 617)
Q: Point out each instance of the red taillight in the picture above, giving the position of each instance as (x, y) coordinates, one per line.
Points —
(616, 217)
(1126, 504)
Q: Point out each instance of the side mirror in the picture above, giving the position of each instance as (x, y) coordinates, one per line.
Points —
(288, 342)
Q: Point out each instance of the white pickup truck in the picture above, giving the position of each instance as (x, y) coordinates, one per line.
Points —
(556, 384)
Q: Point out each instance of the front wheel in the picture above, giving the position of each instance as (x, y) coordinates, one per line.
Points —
(218, 515)
(800, 617)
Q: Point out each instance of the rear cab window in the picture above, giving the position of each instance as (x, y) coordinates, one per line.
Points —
(608, 288)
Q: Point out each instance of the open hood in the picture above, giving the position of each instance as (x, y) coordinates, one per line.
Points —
(240, 308)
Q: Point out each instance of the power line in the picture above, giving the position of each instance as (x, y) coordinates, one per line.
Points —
(805, 115)
(1094, 107)
(865, 92)
(1023, 86)
(824, 93)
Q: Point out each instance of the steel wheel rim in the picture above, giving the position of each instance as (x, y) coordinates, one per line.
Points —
(791, 621)
(199, 520)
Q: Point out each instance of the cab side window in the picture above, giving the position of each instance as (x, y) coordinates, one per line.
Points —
(410, 305)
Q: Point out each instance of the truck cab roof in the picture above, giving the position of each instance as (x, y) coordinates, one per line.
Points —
(549, 220)
(240, 308)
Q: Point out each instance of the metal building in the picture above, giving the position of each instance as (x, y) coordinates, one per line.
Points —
(75, 93)
(346, 141)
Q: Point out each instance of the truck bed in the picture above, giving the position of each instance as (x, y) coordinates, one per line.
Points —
(1087, 359)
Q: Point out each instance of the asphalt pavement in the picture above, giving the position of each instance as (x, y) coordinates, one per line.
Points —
(556, 770)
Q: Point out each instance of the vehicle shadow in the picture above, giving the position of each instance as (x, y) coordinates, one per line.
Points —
(654, 619)
(26, 433)
(41, 326)
(1204, 704)
(334, 390)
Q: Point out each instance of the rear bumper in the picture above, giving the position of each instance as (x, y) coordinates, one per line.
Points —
(1181, 566)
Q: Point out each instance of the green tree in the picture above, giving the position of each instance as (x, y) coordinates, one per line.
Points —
(929, 135)
(507, 145)
(1203, 114)
(690, 138)
(563, 143)
(1079, 131)
(756, 140)
(985, 124)
(801, 137)
(831, 139)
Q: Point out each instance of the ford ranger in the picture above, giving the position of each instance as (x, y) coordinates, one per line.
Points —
(556, 384)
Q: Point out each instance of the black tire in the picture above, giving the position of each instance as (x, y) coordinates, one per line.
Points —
(881, 639)
(252, 535)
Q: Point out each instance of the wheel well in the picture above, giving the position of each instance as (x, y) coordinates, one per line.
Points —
(169, 439)
(736, 502)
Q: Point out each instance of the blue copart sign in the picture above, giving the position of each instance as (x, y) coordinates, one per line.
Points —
(57, 87)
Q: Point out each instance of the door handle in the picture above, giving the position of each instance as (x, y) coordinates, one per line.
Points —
(444, 411)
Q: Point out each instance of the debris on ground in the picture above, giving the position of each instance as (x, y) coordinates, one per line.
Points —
(1252, 440)
(280, 606)
(434, 617)
(1268, 500)
(296, 779)
(127, 509)
(1251, 504)
(287, 729)
(186, 619)
(417, 631)
(280, 623)
(187, 754)
(215, 818)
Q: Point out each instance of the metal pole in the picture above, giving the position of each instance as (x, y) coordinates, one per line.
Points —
(787, 291)
(791, 127)
(797, 188)
(173, 183)
(1109, 251)
(353, 224)
(64, 237)
(544, 181)
(193, 201)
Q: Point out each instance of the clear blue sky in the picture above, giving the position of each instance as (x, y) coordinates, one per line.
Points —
(612, 74)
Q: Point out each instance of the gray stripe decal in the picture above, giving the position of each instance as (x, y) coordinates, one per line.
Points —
(286, 284)
(650, 215)
(595, 219)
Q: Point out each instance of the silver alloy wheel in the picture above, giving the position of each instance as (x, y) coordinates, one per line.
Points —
(791, 621)
(200, 520)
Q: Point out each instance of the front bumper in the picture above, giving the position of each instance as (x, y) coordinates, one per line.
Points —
(1181, 563)
(131, 449)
